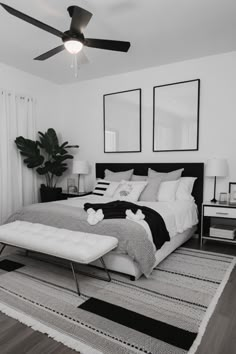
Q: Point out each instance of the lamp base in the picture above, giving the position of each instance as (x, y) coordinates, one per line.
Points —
(214, 198)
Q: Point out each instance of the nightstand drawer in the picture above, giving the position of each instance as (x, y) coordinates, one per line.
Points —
(220, 212)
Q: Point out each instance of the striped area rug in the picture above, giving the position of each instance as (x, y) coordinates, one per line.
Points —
(165, 314)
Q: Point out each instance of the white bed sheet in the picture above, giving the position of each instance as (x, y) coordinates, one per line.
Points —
(178, 215)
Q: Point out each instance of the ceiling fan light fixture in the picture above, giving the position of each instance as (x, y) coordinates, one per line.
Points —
(73, 46)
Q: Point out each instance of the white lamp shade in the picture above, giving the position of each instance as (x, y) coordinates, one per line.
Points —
(80, 167)
(216, 168)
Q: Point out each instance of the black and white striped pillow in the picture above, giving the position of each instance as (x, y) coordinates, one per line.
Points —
(105, 188)
(101, 187)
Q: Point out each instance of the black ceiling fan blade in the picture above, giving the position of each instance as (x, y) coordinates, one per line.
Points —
(80, 18)
(50, 53)
(32, 20)
(118, 46)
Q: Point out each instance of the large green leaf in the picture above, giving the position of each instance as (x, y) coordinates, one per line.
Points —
(42, 170)
(30, 150)
(49, 141)
(61, 158)
(64, 146)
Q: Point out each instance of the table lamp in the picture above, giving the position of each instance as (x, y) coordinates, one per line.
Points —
(216, 168)
(80, 168)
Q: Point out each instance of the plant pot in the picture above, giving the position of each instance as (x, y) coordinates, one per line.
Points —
(49, 194)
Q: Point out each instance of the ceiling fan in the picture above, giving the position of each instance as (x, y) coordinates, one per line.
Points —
(73, 39)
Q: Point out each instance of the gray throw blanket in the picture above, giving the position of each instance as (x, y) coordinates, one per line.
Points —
(132, 237)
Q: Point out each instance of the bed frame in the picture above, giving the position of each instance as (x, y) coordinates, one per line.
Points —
(191, 169)
(123, 263)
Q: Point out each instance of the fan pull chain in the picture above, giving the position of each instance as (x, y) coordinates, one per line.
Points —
(74, 65)
(72, 62)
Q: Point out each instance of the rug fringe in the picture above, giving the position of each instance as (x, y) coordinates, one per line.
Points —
(211, 308)
(50, 332)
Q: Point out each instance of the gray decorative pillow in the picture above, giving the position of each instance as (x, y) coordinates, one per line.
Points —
(169, 176)
(136, 178)
(118, 176)
(149, 194)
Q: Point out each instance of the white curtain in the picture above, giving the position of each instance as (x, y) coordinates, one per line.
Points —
(18, 184)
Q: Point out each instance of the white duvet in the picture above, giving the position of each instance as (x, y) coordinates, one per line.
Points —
(178, 216)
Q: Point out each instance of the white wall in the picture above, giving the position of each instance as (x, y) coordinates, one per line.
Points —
(81, 113)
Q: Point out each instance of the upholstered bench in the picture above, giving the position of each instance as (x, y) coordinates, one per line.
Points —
(74, 246)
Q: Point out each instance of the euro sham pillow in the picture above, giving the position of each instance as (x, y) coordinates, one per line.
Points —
(105, 188)
(167, 191)
(130, 191)
(118, 176)
(149, 194)
(167, 176)
(136, 178)
(185, 188)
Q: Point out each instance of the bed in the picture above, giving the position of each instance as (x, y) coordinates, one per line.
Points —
(123, 263)
(141, 257)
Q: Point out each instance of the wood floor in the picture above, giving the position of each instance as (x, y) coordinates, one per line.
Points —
(219, 338)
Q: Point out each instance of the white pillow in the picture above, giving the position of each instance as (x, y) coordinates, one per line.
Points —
(167, 191)
(129, 191)
(118, 176)
(105, 188)
(111, 189)
(166, 176)
(185, 187)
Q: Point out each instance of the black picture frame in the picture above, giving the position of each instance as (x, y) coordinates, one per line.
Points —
(197, 113)
(139, 102)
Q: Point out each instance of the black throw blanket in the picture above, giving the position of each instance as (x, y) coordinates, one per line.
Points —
(117, 209)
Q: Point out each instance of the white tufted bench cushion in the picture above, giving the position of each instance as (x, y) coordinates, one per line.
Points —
(74, 246)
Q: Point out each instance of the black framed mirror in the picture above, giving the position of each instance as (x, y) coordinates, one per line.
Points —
(122, 121)
(176, 116)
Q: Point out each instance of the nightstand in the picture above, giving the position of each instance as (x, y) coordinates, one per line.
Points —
(218, 222)
(66, 195)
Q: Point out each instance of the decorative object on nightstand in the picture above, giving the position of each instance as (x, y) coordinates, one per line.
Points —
(232, 193)
(216, 168)
(71, 187)
(80, 168)
(223, 198)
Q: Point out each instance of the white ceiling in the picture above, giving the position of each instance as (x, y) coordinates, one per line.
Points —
(160, 32)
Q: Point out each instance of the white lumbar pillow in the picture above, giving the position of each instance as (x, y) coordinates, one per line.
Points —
(185, 187)
(130, 191)
(167, 191)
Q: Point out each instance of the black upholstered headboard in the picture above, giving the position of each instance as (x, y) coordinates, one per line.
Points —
(191, 169)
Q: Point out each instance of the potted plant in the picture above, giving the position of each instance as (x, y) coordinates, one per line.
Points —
(48, 158)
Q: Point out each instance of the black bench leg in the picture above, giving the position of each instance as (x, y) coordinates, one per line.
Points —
(75, 278)
(105, 268)
(2, 249)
